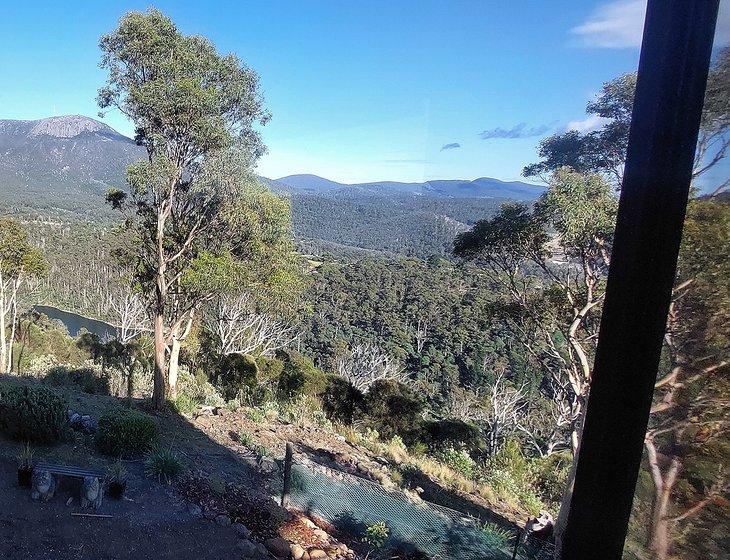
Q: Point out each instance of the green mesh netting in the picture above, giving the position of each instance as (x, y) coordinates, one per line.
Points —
(352, 503)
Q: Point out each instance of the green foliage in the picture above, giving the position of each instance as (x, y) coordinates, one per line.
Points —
(376, 534)
(163, 464)
(85, 378)
(602, 150)
(549, 476)
(117, 473)
(125, 432)
(454, 433)
(458, 460)
(393, 409)
(18, 257)
(513, 231)
(255, 415)
(246, 440)
(498, 537)
(25, 457)
(299, 377)
(340, 400)
(32, 414)
(184, 403)
(238, 375)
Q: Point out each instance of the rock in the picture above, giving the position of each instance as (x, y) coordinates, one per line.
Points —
(267, 465)
(297, 552)
(278, 547)
(223, 520)
(248, 549)
(321, 535)
(317, 554)
(210, 514)
(241, 530)
(308, 523)
(195, 511)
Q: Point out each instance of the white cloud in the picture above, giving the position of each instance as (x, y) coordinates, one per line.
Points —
(589, 124)
(616, 25)
(620, 24)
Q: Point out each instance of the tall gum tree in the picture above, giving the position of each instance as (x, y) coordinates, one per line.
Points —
(201, 222)
(19, 261)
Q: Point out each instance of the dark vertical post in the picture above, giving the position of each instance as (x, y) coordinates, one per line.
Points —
(287, 474)
(673, 67)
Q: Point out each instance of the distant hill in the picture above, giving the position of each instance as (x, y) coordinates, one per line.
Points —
(484, 187)
(59, 168)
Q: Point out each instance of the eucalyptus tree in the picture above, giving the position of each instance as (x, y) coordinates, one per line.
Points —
(201, 223)
(603, 150)
(19, 261)
(552, 262)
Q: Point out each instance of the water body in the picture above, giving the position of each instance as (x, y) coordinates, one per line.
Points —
(74, 322)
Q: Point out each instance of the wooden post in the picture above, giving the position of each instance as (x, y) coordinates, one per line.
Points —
(287, 475)
(670, 89)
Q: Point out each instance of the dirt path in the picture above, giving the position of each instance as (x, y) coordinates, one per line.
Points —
(152, 523)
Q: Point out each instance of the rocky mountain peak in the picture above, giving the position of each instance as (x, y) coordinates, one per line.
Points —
(69, 126)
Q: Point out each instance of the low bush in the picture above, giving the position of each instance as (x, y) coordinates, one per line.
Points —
(125, 432)
(393, 409)
(163, 464)
(85, 378)
(458, 460)
(376, 534)
(238, 374)
(455, 434)
(549, 475)
(299, 377)
(340, 400)
(34, 414)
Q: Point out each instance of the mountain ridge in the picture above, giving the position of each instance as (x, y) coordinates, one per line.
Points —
(482, 187)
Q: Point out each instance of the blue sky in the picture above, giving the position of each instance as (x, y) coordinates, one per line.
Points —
(360, 91)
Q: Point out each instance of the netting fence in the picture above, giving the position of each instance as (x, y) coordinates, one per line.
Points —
(352, 503)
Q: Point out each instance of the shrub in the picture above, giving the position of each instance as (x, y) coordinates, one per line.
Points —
(456, 434)
(185, 403)
(85, 378)
(34, 414)
(340, 399)
(458, 460)
(376, 534)
(238, 373)
(117, 473)
(255, 415)
(393, 409)
(124, 432)
(163, 464)
(269, 369)
(299, 377)
(549, 475)
(498, 537)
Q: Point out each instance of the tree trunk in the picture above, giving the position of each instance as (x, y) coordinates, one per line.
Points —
(158, 393)
(3, 326)
(174, 367)
(660, 536)
(130, 382)
(562, 518)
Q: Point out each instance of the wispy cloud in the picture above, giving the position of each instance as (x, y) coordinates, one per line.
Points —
(615, 25)
(518, 131)
(451, 146)
(620, 25)
(589, 124)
